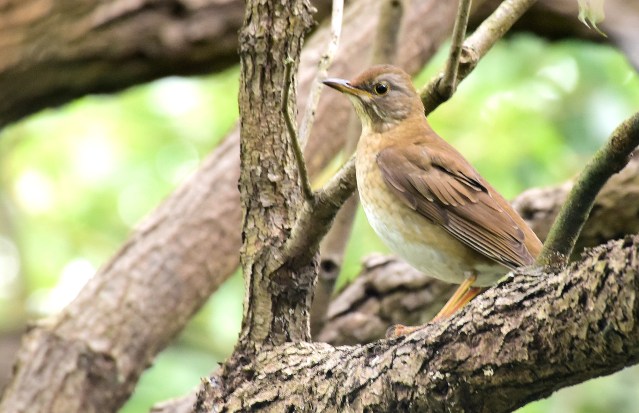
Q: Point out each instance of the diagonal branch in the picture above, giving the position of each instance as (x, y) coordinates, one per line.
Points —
(518, 342)
(475, 47)
(608, 160)
(449, 79)
(322, 72)
(316, 217)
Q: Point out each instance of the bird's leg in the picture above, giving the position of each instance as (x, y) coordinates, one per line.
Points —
(462, 296)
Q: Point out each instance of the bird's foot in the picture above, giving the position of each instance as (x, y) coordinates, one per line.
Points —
(398, 330)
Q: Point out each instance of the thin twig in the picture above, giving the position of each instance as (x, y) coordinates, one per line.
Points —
(449, 81)
(608, 160)
(475, 47)
(322, 72)
(305, 183)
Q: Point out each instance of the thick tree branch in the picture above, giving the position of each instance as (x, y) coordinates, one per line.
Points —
(608, 160)
(137, 302)
(271, 43)
(527, 337)
(56, 52)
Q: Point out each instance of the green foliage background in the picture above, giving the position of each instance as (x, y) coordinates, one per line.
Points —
(75, 180)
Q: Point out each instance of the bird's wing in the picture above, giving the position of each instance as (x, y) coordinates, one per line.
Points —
(450, 193)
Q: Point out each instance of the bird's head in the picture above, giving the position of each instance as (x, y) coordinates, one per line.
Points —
(383, 96)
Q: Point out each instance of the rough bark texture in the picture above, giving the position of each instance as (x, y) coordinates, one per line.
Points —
(520, 341)
(389, 291)
(56, 51)
(277, 300)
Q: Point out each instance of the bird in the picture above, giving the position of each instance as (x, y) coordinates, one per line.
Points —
(424, 199)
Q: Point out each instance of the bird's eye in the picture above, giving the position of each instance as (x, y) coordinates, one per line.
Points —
(381, 88)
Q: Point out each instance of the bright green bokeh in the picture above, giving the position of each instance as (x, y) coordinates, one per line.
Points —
(75, 180)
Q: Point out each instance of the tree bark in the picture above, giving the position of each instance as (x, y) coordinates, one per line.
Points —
(520, 341)
(55, 51)
(277, 300)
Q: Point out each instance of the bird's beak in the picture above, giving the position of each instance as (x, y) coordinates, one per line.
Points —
(344, 86)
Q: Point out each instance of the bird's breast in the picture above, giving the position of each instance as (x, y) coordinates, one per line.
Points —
(424, 245)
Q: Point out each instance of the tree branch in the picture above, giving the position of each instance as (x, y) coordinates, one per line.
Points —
(527, 337)
(316, 217)
(608, 160)
(54, 52)
(475, 47)
(322, 72)
(305, 182)
(138, 43)
(449, 79)
(299, 140)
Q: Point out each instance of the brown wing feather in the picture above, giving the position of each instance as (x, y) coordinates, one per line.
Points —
(454, 196)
